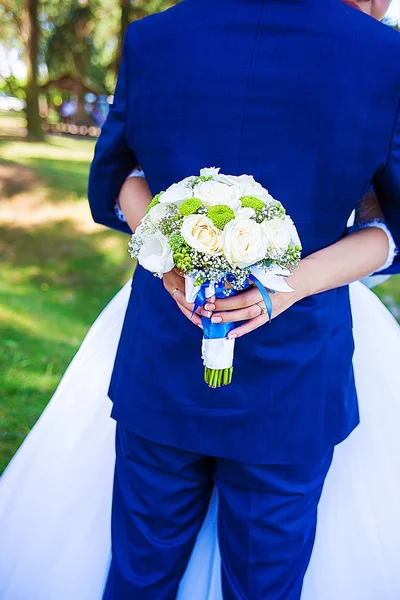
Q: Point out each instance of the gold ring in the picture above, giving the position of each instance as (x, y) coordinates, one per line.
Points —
(174, 291)
(263, 308)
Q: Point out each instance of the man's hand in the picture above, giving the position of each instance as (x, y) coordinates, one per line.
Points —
(174, 283)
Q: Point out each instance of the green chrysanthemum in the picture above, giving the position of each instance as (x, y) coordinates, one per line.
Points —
(189, 207)
(220, 215)
(252, 202)
(154, 202)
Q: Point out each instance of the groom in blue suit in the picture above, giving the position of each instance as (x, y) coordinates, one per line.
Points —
(304, 95)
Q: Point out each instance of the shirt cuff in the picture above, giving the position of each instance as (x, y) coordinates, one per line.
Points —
(119, 214)
(393, 250)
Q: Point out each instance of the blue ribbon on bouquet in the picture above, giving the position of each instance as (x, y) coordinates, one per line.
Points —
(212, 331)
(265, 295)
(201, 299)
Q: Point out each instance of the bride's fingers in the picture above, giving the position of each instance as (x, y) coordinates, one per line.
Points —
(180, 299)
(180, 273)
(172, 281)
(239, 301)
(248, 326)
(232, 316)
(188, 313)
(209, 307)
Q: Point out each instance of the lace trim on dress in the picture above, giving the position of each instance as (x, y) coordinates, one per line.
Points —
(393, 250)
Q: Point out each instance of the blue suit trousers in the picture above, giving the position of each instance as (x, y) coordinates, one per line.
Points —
(266, 521)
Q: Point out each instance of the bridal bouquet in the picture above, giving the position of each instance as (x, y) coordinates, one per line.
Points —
(224, 233)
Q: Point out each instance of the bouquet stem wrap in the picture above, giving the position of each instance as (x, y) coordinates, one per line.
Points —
(217, 352)
(217, 349)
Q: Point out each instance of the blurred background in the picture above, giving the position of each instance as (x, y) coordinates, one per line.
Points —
(58, 65)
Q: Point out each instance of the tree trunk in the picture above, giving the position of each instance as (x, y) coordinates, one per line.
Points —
(125, 14)
(30, 25)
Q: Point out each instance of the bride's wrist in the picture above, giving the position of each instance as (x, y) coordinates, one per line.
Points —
(301, 281)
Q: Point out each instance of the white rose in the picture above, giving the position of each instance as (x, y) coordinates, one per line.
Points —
(212, 193)
(250, 187)
(243, 242)
(294, 236)
(200, 233)
(157, 213)
(247, 186)
(156, 255)
(209, 172)
(176, 194)
(277, 235)
(245, 212)
(228, 179)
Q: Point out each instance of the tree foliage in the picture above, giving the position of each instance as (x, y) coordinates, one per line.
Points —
(79, 37)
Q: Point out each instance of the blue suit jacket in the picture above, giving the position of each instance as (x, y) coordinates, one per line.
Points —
(304, 95)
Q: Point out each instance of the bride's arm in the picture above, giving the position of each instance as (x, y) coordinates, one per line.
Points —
(133, 199)
(368, 249)
(370, 246)
(353, 257)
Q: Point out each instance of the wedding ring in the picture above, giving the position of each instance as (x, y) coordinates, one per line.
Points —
(263, 309)
(174, 291)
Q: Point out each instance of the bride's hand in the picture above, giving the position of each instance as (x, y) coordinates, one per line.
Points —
(249, 306)
(174, 283)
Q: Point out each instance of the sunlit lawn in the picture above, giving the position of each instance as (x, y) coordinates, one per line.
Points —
(56, 274)
(58, 271)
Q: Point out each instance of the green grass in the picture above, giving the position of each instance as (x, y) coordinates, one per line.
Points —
(389, 293)
(55, 279)
(61, 164)
(54, 282)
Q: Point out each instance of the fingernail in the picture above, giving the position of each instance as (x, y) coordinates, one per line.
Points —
(232, 336)
(210, 307)
(216, 320)
(206, 314)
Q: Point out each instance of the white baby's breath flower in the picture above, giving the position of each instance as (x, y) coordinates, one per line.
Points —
(277, 235)
(200, 233)
(243, 242)
(139, 231)
(212, 193)
(155, 255)
(176, 193)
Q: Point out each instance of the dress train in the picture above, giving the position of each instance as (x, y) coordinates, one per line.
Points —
(55, 496)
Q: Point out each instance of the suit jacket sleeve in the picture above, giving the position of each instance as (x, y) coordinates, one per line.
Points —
(387, 186)
(113, 159)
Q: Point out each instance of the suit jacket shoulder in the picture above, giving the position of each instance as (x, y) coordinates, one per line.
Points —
(377, 45)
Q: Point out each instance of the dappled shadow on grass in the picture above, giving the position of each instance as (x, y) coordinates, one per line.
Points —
(61, 165)
(62, 178)
(15, 179)
(55, 281)
(65, 259)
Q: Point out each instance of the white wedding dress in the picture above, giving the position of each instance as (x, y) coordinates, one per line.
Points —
(55, 497)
